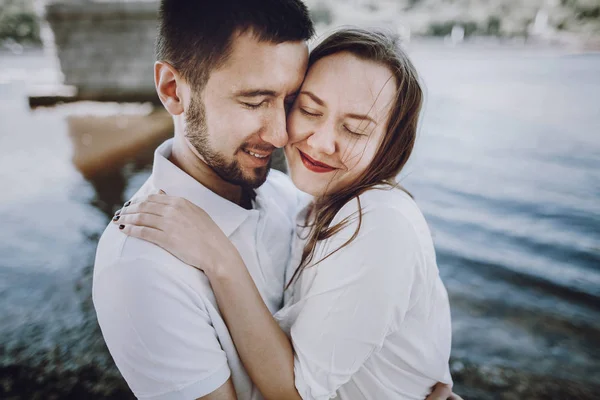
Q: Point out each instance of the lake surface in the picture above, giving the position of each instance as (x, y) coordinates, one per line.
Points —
(506, 170)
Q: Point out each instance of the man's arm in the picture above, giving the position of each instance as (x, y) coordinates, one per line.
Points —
(225, 392)
(158, 331)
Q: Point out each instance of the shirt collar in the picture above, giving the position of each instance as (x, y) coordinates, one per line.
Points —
(168, 177)
(305, 203)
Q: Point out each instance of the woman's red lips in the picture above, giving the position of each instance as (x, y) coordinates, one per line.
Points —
(315, 165)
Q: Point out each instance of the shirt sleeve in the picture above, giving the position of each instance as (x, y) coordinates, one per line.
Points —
(158, 331)
(359, 294)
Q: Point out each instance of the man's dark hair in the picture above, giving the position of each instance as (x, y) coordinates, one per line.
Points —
(195, 36)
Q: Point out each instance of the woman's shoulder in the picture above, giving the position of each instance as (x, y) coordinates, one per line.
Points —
(382, 206)
(386, 214)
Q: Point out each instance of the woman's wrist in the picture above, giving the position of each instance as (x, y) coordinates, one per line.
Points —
(224, 267)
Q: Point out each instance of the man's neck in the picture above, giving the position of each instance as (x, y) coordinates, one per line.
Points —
(186, 160)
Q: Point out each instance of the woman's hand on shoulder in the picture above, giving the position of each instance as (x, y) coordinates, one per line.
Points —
(179, 227)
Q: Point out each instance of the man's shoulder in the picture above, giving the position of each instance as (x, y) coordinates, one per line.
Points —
(116, 248)
(113, 241)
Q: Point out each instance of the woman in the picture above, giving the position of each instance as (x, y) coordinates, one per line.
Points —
(366, 314)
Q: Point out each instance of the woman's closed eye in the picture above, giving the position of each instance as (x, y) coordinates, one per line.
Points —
(353, 131)
(309, 112)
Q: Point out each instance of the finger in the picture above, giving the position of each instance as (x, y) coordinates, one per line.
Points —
(127, 204)
(157, 198)
(145, 233)
(454, 396)
(163, 198)
(146, 207)
(440, 392)
(151, 196)
(141, 219)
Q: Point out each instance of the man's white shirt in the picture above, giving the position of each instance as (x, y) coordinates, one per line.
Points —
(159, 316)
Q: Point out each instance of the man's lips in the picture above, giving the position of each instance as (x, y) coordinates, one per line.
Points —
(315, 165)
(257, 158)
(258, 153)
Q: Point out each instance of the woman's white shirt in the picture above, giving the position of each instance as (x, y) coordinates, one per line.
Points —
(371, 321)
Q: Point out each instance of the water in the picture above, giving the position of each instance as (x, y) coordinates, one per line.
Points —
(506, 169)
(507, 172)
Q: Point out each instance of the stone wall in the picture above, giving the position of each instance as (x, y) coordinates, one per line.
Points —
(106, 49)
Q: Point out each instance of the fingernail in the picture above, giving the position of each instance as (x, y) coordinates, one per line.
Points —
(118, 212)
(162, 191)
(116, 218)
(121, 226)
(127, 204)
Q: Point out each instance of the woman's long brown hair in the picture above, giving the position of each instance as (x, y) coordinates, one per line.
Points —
(398, 141)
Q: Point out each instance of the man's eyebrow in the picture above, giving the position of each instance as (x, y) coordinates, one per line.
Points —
(313, 97)
(255, 93)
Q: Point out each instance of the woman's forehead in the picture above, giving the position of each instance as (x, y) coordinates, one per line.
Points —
(344, 80)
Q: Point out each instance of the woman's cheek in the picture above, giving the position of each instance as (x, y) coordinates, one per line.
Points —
(356, 159)
(297, 126)
(352, 151)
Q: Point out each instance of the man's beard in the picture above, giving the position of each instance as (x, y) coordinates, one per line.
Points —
(197, 133)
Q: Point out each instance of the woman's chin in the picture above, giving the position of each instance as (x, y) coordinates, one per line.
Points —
(314, 184)
(310, 185)
(304, 184)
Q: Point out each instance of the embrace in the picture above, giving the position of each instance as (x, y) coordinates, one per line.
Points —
(221, 279)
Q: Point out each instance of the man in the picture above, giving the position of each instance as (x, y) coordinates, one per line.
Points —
(226, 71)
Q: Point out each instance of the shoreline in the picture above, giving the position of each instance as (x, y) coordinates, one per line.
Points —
(101, 380)
(486, 42)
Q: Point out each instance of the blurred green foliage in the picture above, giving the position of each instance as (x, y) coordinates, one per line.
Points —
(19, 22)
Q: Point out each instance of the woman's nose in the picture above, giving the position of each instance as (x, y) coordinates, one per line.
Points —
(323, 141)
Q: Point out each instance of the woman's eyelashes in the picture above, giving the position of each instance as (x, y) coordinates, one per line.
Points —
(315, 114)
(353, 131)
(310, 113)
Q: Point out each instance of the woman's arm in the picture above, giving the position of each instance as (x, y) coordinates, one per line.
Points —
(264, 348)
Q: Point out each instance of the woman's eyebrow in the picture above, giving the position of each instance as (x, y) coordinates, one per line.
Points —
(313, 97)
(361, 116)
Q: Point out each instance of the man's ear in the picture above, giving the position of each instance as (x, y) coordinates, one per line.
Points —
(169, 84)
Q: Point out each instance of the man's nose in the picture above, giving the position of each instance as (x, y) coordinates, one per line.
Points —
(276, 131)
